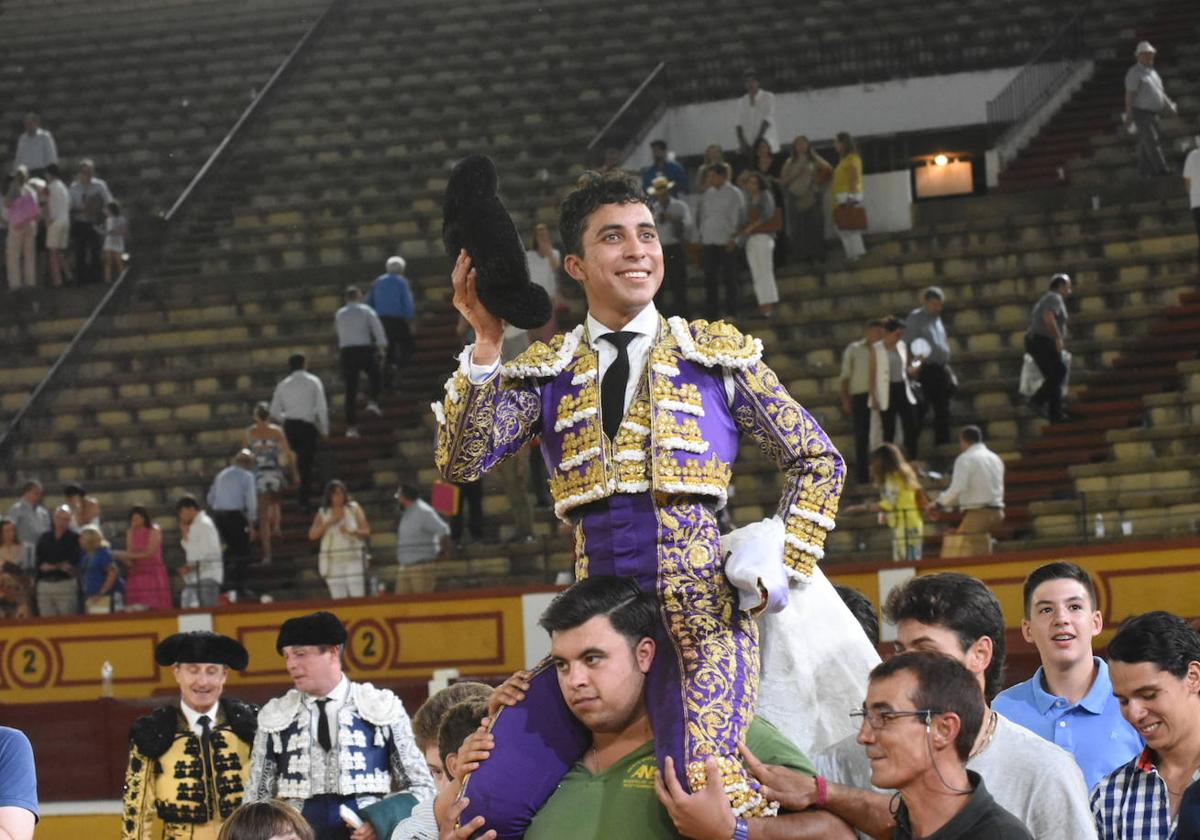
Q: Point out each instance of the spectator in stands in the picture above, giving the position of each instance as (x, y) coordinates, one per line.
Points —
(147, 583)
(1045, 342)
(755, 117)
(673, 218)
(718, 217)
(665, 166)
(392, 299)
(100, 574)
(847, 192)
(89, 196)
(21, 211)
(901, 502)
(360, 338)
(1069, 701)
(342, 528)
(1145, 100)
(89, 512)
(862, 609)
(801, 178)
(977, 489)
(18, 786)
(36, 150)
(1189, 814)
(713, 154)
(856, 394)
(893, 394)
(299, 401)
(116, 234)
(73, 496)
(421, 538)
(15, 584)
(57, 557)
(544, 262)
(939, 796)
(274, 469)
(58, 223)
(1036, 781)
(203, 569)
(759, 237)
(234, 505)
(1154, 661)
(937, 382)
(31, 518)
(1191, 182)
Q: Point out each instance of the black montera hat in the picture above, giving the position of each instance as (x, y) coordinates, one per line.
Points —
(201, 646)
(319, 628)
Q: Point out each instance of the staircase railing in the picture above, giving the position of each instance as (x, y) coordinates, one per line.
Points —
(637, 114)
(9, 436)
(1041, 76)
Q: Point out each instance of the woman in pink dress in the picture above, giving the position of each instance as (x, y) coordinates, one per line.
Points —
(147, 583)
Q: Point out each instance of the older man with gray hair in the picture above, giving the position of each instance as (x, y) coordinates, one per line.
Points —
(391, 298)
(1145, 101)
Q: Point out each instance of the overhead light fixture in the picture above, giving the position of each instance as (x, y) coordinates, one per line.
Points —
(941, 160)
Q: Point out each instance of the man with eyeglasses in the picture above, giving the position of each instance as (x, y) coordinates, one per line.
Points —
(1037, 781)
(918, 726)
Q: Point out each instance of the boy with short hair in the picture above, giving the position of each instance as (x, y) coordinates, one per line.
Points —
(1069, 701)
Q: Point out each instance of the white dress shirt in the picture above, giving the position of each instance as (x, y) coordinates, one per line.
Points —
(301, 396)
(202, 548)
(37, 150)
(645, 324)
(978, 480)
(337, 698)
(193, 717)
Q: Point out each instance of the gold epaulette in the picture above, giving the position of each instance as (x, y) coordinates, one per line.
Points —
(540, 360)
(715, 344)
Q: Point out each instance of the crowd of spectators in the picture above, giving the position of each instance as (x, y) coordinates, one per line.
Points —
(45, 218)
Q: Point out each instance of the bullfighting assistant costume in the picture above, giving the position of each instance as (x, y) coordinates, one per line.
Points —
(372, 753)
(191, 782)
(644, 504)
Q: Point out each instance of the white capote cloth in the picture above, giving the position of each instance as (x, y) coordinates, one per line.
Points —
(815, 657)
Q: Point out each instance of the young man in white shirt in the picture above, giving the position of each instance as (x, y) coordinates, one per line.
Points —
(203, 570)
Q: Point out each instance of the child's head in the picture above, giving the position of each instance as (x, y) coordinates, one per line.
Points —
(428, 720)
(114, 209)
(457, 724)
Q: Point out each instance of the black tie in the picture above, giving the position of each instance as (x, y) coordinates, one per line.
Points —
(323, 726)
(206, 752)
(612, 388)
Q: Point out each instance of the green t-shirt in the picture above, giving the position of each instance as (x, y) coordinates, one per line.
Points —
(620, 802)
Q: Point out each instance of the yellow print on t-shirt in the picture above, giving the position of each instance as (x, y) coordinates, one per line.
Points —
(641, 775)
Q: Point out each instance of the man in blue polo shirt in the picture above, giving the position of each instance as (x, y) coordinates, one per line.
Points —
(18, 786)
(1070, 699)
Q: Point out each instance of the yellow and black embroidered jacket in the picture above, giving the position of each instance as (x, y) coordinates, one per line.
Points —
(171, 774)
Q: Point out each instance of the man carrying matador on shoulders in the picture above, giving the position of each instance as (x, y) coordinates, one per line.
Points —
(640, 418)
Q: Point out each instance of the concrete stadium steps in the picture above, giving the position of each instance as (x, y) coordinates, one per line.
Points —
(1105, 446)
(1085, 141)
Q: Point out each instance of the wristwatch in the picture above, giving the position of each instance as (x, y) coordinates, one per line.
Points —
(741, 830)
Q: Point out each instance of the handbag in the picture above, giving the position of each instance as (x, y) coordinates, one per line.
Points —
(850, 217)
(24, 210)
(445, 498)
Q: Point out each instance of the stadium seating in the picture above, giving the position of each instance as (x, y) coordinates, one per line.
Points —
(346, 164)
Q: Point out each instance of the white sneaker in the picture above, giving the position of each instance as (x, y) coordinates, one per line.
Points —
(351, 431)
(373, 408)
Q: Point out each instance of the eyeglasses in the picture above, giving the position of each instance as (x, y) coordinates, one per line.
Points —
(878, 720)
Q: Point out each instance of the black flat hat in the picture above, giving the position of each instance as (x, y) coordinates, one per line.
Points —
(319, 628)
(474, 219)
(201, 646)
